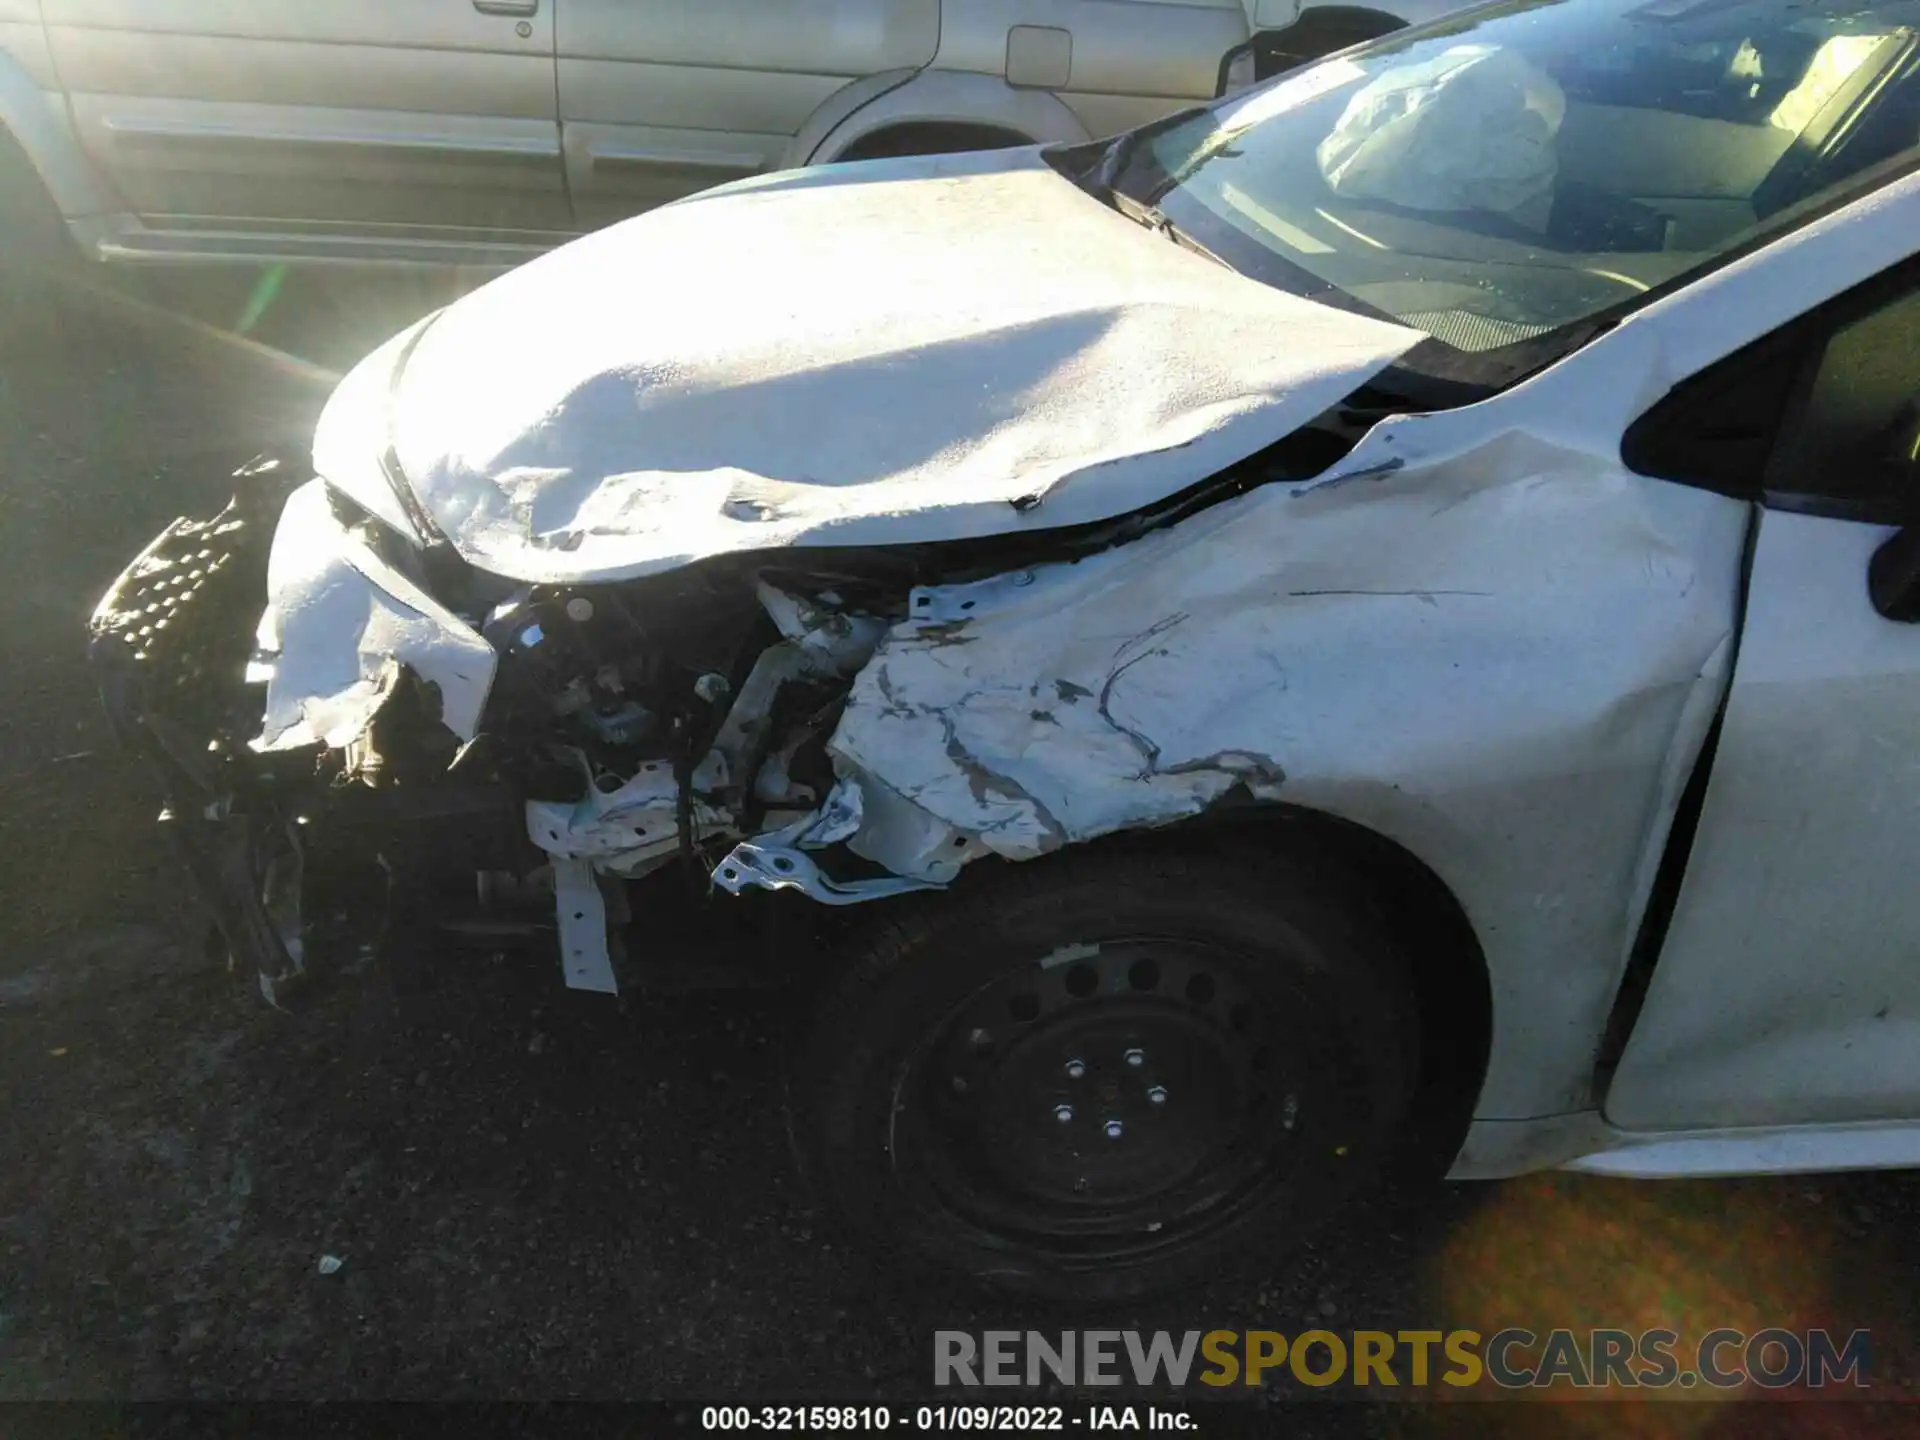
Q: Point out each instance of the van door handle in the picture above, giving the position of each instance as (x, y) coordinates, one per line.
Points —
(507, 7)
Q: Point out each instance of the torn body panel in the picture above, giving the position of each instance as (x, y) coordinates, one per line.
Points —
(340, 626)
(626, 831)
(1478, 636)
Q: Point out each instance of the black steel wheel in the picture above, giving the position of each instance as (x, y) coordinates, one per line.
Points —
(1111, 1072)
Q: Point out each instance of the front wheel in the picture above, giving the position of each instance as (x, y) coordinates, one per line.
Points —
(1109, 1073)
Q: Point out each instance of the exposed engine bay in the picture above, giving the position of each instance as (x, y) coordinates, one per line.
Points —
(677, 722)
(587, 578)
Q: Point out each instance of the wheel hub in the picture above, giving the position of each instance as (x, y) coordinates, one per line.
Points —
(1112, 1096)
(1072, 1102)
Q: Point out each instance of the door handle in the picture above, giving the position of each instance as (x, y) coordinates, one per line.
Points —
(507, 7)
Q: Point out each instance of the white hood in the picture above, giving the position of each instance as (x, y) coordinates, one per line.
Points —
(913, 350)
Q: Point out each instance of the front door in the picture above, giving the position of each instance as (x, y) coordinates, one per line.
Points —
(1788, 990)
(425, 119)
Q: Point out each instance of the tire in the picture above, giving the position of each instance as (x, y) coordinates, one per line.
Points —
(1110, 1073)
(929, 138)
(35, 253)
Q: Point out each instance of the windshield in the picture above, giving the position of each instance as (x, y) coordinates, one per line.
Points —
(1526, 170)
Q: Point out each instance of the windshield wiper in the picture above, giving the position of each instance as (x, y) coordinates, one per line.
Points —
(1156, 220)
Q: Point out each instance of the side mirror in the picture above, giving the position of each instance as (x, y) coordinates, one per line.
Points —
(1893, 576)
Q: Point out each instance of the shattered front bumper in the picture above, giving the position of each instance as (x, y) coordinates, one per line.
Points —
(170, 647)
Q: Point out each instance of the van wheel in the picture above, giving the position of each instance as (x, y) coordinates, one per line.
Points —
(35, 252)
(930, 138)
(1109, 1073)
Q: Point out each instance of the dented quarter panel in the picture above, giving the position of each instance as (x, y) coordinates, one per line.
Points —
(339, 625)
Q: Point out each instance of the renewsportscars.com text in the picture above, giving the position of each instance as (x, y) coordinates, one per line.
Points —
(1510, 1359)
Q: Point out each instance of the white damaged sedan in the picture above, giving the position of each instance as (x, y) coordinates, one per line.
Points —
(1369, 619)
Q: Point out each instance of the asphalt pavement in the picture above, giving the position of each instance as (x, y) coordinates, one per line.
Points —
(518, 1194)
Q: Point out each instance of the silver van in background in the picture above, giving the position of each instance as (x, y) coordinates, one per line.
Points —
(480, 132)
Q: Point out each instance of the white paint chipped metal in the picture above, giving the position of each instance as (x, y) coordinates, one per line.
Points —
(340, 624)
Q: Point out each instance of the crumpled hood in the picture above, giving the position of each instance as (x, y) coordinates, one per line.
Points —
(912, 350)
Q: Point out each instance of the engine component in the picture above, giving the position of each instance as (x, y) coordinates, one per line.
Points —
(782, 867)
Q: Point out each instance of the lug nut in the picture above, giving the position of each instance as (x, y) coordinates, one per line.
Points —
(1136, 1058)
(1158, 1094)
(1115, 1129)
(1076, 1069)
(1063, 1113)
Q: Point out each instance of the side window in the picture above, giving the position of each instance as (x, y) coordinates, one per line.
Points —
(1821, 416)
(1851, 431)
(1716, 429)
